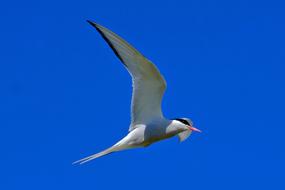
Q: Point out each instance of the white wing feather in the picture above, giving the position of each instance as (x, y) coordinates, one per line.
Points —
(148, 84)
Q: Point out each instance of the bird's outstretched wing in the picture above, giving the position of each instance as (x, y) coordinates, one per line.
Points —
(148, 84)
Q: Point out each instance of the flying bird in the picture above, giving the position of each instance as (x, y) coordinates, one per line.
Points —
(148, 125)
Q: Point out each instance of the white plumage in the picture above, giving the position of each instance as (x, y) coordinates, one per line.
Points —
(148, 124)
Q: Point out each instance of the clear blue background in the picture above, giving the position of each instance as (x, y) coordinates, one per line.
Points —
(65, 95)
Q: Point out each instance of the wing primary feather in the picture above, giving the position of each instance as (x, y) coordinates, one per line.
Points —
(107, 40)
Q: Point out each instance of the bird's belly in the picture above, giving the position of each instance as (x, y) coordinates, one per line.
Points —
(146, 135)
(156, 136)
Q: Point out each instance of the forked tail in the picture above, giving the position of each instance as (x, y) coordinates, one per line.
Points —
(97, 155)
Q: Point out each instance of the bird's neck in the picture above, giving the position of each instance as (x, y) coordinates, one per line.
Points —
(174, 128)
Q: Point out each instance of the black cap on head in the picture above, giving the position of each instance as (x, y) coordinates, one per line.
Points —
(184, 121)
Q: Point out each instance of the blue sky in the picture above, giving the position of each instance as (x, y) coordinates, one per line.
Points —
(65, 95)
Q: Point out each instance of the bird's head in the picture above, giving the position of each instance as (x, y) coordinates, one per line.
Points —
(184, 126)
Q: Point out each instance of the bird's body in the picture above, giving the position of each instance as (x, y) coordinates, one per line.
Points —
(148, 125)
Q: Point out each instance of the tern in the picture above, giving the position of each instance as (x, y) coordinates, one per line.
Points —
(148, 125)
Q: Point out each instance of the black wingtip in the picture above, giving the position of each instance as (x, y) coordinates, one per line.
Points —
(90, 22)
(95, 25)
(106, 39)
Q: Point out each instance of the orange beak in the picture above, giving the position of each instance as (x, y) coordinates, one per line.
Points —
(194, 129)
